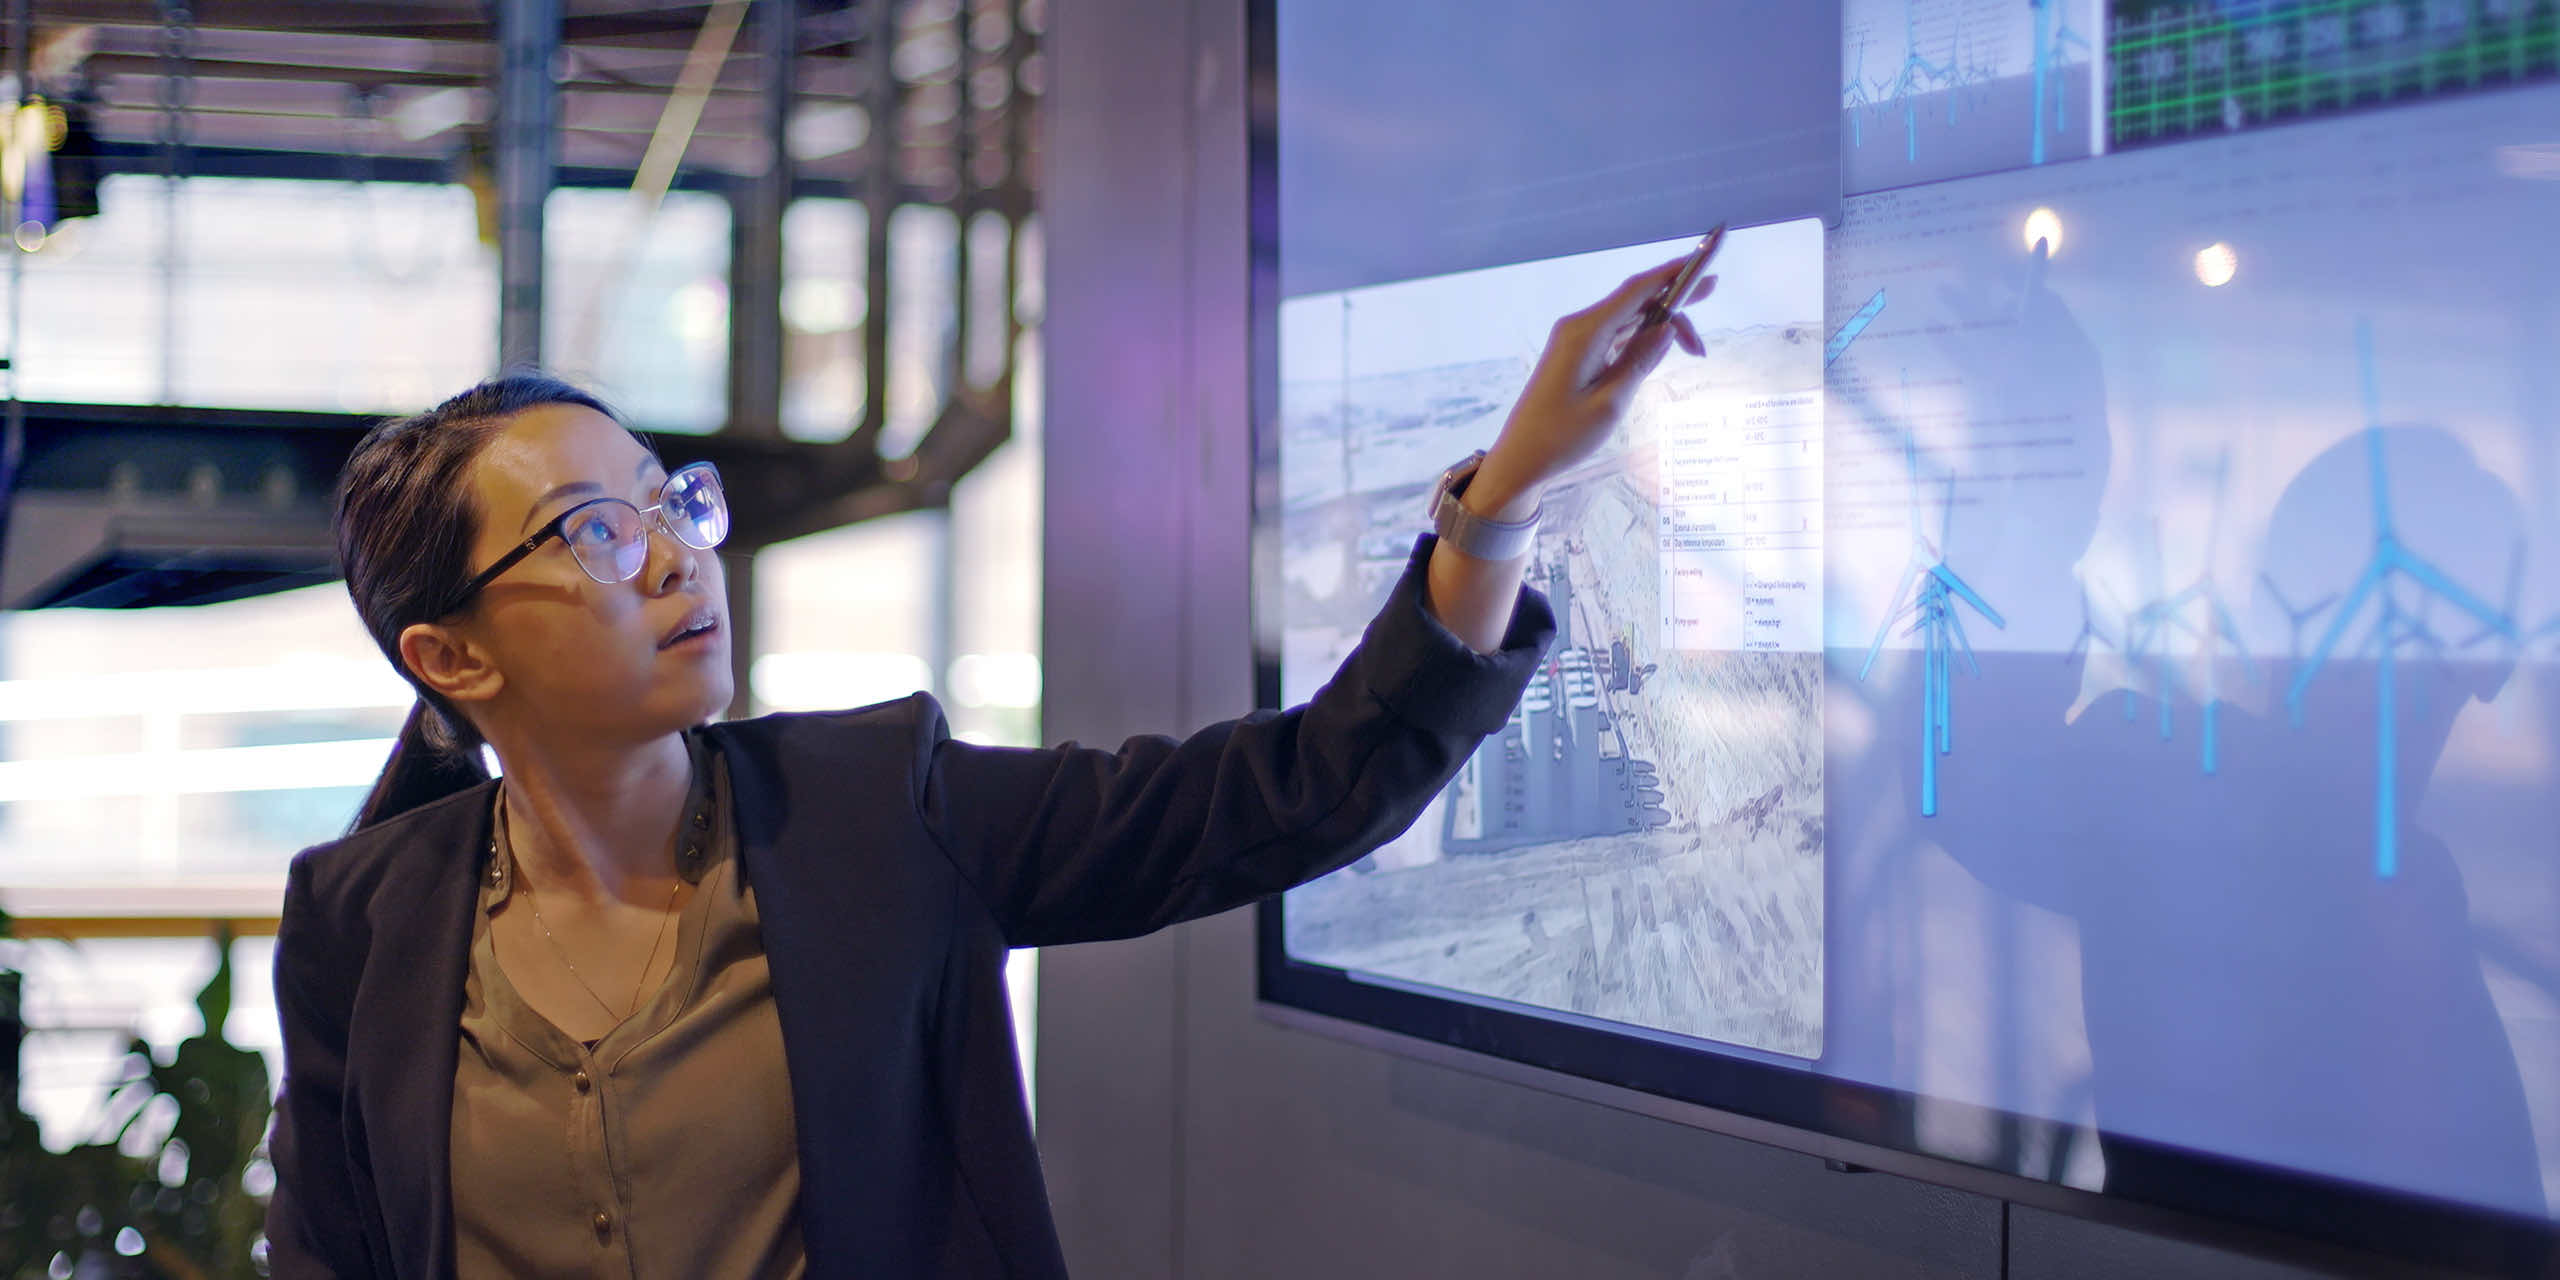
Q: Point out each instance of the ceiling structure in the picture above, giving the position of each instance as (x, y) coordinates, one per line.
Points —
(891, 102)
(414, 80)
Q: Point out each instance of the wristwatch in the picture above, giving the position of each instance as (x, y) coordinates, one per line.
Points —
(1471, 533)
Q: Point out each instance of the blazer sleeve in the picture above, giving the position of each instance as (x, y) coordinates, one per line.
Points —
(313, 1225)
(1076, 844)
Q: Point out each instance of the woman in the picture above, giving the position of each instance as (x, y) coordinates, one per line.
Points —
(689, 999)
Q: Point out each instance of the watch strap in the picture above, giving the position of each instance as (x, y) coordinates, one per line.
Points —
(1470, 533)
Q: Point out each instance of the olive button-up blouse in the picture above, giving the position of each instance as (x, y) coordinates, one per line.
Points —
(665, 1148)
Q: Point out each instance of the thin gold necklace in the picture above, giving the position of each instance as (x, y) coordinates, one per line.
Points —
(666, 915)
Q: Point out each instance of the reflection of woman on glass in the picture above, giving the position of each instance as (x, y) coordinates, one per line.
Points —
(678, 999)
(2248, 982)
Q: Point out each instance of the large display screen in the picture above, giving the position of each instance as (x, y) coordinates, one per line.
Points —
(2066, 683)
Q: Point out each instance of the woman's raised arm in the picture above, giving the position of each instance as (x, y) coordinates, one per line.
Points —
(1593, 362)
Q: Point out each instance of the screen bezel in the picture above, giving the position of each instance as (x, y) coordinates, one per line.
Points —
(2197, 1195)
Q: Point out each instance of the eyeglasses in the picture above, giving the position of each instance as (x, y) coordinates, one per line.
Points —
(609, 537)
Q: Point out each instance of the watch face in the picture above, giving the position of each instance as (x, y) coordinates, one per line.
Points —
(1454, 479)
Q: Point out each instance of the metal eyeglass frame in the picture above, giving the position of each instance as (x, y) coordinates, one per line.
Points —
(654, 512)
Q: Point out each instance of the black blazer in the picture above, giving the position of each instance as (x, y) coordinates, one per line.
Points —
(893, 867)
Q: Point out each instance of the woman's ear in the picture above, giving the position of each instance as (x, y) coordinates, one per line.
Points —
(444, 660)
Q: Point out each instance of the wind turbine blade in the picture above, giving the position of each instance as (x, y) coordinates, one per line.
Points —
(2434, 580)
(2231, 631)
(1851, 328)
(1891, 613)
(2277, 594)
(1957, 585)
(2329, 639)
(1955, 623)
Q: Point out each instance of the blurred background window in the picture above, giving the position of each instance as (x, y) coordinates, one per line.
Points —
(185, 748)
(636, 304)
(822, 312)
(370, 297)
(168, 762)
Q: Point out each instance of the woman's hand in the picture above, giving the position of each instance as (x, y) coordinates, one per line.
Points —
(1594, 361)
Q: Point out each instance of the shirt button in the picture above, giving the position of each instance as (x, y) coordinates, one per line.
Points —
(582, 1082)
(604, 1226)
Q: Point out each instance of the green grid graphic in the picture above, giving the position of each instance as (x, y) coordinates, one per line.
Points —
(2179, 69)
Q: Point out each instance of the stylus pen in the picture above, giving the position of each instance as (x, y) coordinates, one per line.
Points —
(1659, 307)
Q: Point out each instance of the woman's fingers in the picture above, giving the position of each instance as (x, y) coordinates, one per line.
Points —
(1632, 293)
(1642, 346)
(1651, 346)
(1686, 334)
(1611, 338)
(1645, 348)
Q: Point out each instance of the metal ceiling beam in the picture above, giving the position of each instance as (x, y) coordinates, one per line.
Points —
(466, 52)
(815, 84)
(185, 505)
(756, 331)
(156, 505)
(114, 118)
(432, 166)
(235, 460)
(528, 150)
(716, 162)
(106, 66)
(661, 28)
(882, 98)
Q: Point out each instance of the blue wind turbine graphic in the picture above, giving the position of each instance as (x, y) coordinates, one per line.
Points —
(2052, 41)
(2392, 563)
(1849, 329)
(1854, 98)
(1907, 84)
(2211, 627)
(1924, 604)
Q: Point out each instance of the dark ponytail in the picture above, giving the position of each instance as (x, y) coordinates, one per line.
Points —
(421, 770)
(405, 522)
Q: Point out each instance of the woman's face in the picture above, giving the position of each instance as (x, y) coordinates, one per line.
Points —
(577, 655)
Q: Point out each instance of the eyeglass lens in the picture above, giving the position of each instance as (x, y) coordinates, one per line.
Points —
(610, 537)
